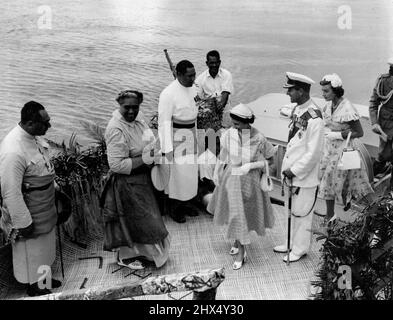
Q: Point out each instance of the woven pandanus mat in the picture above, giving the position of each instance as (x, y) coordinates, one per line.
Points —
(195, 245)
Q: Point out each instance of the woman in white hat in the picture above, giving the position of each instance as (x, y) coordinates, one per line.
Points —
(238, 201)
(341, 119)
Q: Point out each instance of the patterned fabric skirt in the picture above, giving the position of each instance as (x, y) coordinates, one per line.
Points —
(240, 205)
(341, 185)
(131, 213)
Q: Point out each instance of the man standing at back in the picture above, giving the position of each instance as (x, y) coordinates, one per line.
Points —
(214, 85)
(382, 123)
(215, 82)
(28, 208)
(300, 165)
(177, 113)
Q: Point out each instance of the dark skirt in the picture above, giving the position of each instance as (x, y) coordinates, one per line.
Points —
(131, 212)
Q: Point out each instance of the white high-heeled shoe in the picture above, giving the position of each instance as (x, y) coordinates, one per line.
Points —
(332, 221)
(238, 264)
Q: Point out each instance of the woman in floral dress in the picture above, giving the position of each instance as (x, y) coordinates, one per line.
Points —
(341, 118)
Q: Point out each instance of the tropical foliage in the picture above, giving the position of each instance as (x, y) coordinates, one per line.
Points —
(81, 175)
(209, 116)
(357, 258)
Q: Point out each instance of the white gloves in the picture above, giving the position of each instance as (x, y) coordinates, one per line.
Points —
(334, 135)
(245, 168)
(238, 171)
(258, 164)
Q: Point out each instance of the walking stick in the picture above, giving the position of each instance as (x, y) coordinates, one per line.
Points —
(60, 244)
(60, 251)
(289, 219)
(171, 66)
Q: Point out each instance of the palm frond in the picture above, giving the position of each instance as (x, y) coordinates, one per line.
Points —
(94, 130)
(54, 144)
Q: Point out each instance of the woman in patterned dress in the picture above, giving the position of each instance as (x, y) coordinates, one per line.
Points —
(340, 117)
(238, 202)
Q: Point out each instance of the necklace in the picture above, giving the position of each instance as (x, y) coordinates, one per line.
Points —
(334, 106)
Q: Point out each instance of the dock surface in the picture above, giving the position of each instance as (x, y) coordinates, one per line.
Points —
(195, 245)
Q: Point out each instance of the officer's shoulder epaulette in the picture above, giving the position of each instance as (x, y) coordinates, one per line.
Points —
(314, 113)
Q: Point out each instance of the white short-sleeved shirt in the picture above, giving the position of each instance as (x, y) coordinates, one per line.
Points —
(209, 87)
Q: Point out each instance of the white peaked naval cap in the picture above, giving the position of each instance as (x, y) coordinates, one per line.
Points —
(390, 61)
(295, 78)
(242, 111)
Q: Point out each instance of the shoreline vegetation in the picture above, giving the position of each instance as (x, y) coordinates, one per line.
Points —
(81, 174)
(357, 258)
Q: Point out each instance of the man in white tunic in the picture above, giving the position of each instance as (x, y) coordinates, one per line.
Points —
(177, 113)
(301, 163)
(28, 200)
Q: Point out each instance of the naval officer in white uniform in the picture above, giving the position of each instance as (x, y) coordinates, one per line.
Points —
(301, 163)
(177, 113)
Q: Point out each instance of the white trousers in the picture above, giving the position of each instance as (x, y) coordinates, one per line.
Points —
(301, 220)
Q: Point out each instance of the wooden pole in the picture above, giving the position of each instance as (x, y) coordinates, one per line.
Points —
(203, 283)
(171, 66)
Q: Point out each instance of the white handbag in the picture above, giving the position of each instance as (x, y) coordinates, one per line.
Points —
(266, 182)
(350, 158)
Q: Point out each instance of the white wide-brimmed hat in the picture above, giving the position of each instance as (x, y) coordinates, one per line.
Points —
(160, 176)
(242, 111)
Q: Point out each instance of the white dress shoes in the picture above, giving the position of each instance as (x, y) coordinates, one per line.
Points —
(238, 264)
(280, 249)
(293, 257)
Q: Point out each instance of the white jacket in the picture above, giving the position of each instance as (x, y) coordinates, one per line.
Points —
(304, 150)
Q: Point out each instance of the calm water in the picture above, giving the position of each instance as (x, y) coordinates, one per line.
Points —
(98, 47)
